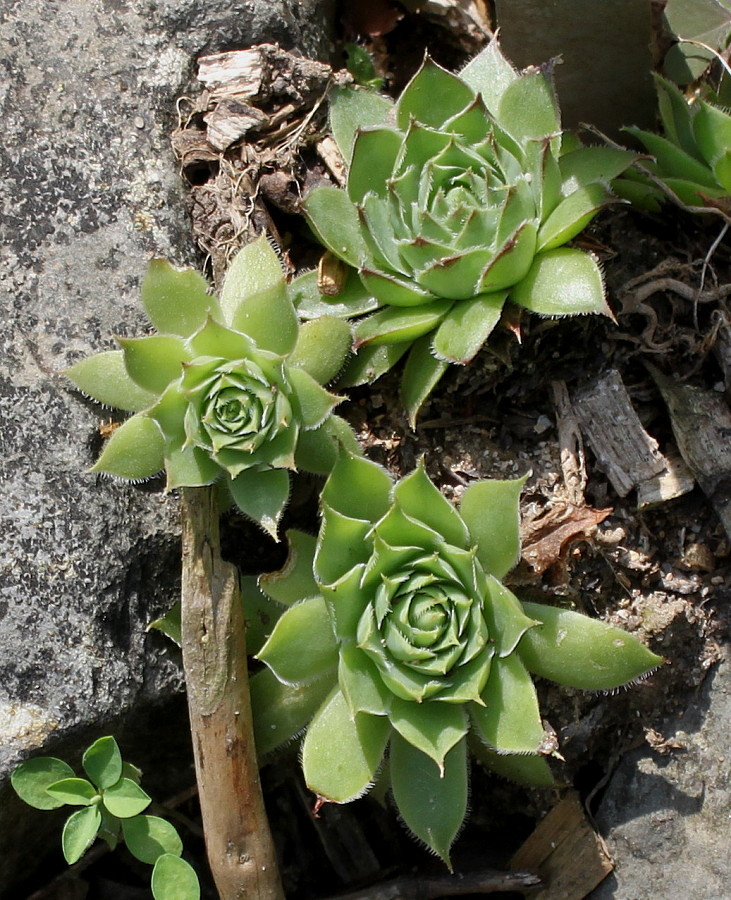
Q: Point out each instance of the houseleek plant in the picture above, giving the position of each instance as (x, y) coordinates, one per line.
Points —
(229, 390)
(397, 639)
(460, 196)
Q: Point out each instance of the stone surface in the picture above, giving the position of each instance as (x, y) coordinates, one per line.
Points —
(90, 192)
(666, 815)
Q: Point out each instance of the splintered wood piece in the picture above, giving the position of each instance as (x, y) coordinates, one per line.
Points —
(566, 851)
(625, 452)
(571, 446)
(701, 422)
(230, 121)
(488, 881)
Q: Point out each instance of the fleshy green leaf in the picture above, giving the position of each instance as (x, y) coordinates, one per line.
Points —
(371, 362)
(394, 324)
(148, 837)
(491, 511)
(589, 164)
(79, 832)
(260, 612)
(530, 769)
(103, 762)
(269, 319)
(712, 129)
(125, 799)
(528, 107)
(189, 467)
(395, 291)
(563, 282)
(507, 620)
(302, 646)
(295, 580)
(104, 378)
(317, 449)
(74, 791)
(572, 215)
(352, 108)
(574, 650)
(154, 361)
(432, 803)
(672, 160)
(489, 74)
(358, 488)
(374, 158)
(255, 269)
(176, 300)
(432, 96)
(421, 375)
(341, 545)
(467, 326)
(322, 347)
(262, 495)
(510, 720)
(31, 778)
(676, 116)
(280, 710)
(353, 299)
(335, 221)
(313, 403)
(341, 753)
(433, 728)
(134, 451)
(360, 682)
(420, 499)
(174, 879)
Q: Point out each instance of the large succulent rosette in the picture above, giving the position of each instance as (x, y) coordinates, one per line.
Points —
(459, 196)
(229, 390)
(398, 639)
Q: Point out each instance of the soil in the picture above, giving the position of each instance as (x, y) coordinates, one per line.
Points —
(660, 572)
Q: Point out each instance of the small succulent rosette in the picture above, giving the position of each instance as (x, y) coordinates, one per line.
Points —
(229, 390)
(399, 641)
(459, 196)
(692, 160)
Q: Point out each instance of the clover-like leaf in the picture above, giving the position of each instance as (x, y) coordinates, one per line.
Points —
(174, 879)
(79, 833)
(102, 762)
(125, 799)
(148, 837)
(73, 791)
(31, 778)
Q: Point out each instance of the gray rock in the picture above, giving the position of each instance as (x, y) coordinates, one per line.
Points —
(666, 815)
(90, 191)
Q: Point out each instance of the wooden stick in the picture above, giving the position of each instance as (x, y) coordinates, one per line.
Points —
(238, 840)
(487, 881)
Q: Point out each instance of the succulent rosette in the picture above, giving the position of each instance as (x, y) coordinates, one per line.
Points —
(229, 390)
(397, 638)
(692, 160)
(459, 196)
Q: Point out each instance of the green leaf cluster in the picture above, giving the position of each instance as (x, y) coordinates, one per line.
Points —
(111, 805)
(461, 195)
(397, 639)
(229, 390)
(692, 159)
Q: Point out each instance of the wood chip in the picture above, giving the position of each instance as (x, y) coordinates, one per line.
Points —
(625, 452)
(573, 464)
(566, 851)
(231, 120)
(701, 422)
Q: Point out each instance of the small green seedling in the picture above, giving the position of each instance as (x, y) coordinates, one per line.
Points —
(460, 196)
(229, 390)
(360, 65)
(396, 636)
(111, 805)
(692, 160)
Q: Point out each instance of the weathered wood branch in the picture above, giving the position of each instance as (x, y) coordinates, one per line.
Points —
(488, 881)
(238, 841)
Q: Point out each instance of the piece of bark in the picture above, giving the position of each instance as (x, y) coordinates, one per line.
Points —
(571, 446)
(231, 120)
(261, 73)
(701, 422)
(238, 840)
(566, 851)
(625, 452)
